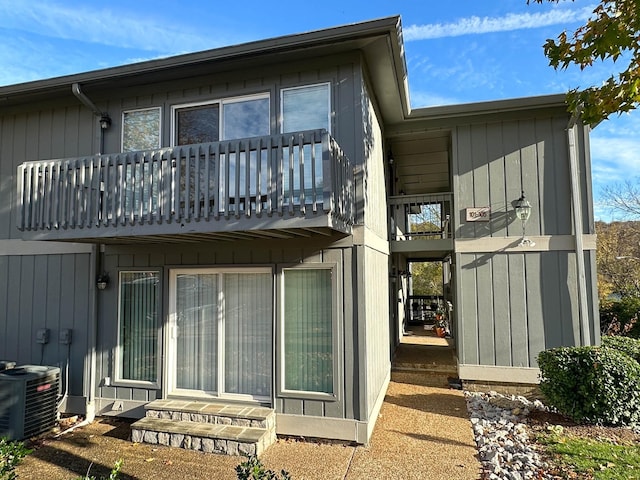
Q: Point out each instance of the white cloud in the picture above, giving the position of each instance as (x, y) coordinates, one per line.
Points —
(421, 99)
(509, 22)
(100, 26)
(615, 157)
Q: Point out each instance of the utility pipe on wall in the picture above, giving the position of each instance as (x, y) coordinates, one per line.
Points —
(105, 120)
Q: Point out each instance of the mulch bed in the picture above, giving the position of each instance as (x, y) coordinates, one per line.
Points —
(539, 422)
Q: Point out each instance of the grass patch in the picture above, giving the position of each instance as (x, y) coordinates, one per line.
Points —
(598, 459)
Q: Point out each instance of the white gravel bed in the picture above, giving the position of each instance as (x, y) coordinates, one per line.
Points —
(501, 436)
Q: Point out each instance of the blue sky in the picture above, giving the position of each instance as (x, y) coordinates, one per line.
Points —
(457, 52)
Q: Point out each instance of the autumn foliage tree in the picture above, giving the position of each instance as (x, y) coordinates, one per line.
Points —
(618, 259)
(618, 263)
(611, 33)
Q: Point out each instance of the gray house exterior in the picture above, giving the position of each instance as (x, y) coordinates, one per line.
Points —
(247, 210)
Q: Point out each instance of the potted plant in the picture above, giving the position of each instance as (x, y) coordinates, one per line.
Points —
(441, 323)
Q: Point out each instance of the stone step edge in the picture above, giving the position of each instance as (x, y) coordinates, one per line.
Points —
(147, 431)
(153, 406)
(413, 367)
(204, 430)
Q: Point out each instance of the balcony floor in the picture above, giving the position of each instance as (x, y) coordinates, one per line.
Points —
(227, 236)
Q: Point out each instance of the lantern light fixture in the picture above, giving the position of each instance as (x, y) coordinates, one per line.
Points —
(102, 282)
(523, 212)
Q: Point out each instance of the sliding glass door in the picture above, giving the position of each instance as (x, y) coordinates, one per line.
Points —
(220, 333)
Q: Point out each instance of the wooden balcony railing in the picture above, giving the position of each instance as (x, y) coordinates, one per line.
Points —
(425, 216)
(302, 174)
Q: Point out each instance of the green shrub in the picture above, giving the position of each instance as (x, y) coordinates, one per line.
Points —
(11, 454)
(628, 345)
(252, 469)
(591, 384)
(115, 471)
(620, 317)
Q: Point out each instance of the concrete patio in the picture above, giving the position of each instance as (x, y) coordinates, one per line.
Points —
(423, 432)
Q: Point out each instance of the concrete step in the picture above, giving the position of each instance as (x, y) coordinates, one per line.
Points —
(214, 427)
(421, 377)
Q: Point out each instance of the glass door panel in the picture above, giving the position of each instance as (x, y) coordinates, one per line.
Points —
(248, 320)
(196, 332)
(221, 332)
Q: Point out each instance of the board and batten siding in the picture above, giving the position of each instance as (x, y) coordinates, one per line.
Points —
(495, 162)
(266, 253)
(64, 128)
(45, 285)
(513, 302)
(46, 132)
(372, 178)
(55, 292)
(339, 71)
(373, 286)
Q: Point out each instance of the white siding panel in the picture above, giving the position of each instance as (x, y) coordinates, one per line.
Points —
(373, 175)
(377, 323)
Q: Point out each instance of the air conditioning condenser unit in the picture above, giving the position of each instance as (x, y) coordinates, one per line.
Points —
(28, 400)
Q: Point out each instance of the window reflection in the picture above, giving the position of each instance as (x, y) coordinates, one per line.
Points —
(246, 118)
(198, 124)
(305, 108)
(141, 129)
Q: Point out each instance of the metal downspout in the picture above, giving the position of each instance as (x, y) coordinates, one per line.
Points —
(585, 331)
(90, 361)
(105, 120)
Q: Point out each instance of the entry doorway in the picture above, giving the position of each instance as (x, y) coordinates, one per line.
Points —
(220, 335)
(428, 305)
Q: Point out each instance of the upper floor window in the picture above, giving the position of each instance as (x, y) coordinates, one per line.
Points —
(226, 119)
(141, 129)
(306, 108)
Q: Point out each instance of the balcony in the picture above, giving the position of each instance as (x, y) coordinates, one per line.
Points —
(279, 186)
(421, 224)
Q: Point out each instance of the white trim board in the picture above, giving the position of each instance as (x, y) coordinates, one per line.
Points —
(375, 411)
(543, 243)
(363, 235)
(24, 247)
(321, 427)
(491, 373)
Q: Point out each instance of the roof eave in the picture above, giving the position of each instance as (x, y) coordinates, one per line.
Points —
(490, 107)
(295, 42)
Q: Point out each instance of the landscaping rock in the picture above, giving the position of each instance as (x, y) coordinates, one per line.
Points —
(501, 436)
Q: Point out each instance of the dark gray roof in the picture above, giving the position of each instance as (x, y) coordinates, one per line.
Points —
(379, 40)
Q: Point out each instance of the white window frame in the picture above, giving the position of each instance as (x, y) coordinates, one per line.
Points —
(118, 380)
(169, 387)
(300, 87)
(221, 103)
(336, 337)
(124, 112)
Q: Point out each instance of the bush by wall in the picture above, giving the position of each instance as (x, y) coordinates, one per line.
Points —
(252, 469)
(592, 384)
(11, 454)
(620, 317)
(628, 345)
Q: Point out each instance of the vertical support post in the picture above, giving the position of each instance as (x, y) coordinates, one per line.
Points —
(585, 332)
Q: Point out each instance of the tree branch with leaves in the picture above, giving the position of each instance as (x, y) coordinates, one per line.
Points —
(612, 33)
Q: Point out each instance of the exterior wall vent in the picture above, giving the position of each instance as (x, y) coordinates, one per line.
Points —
(28, 400)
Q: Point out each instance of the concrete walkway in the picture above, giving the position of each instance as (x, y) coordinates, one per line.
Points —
(423, 432)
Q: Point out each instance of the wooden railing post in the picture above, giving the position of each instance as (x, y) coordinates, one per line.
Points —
(302, 173)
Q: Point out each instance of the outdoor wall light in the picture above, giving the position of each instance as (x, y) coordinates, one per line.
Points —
(523, 212)
(102, 281)
(105, 121)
